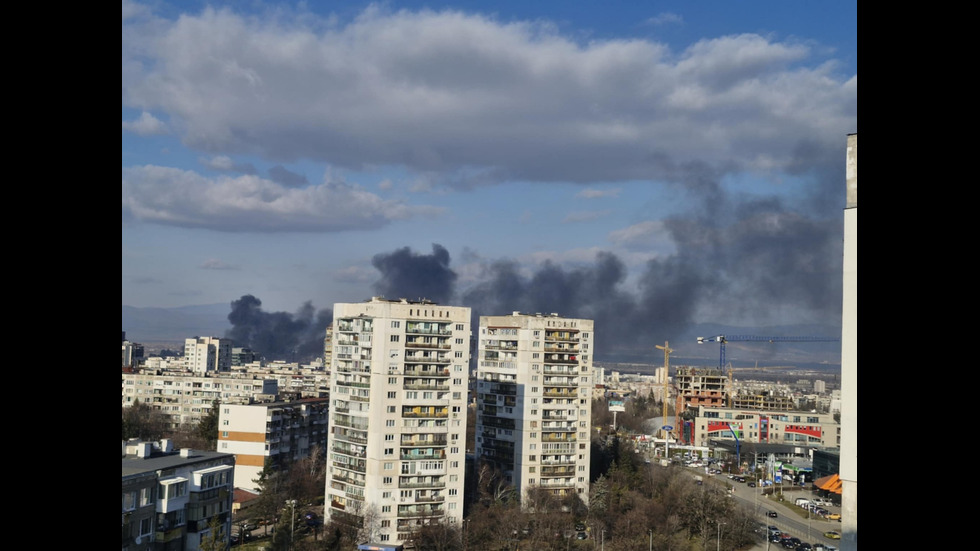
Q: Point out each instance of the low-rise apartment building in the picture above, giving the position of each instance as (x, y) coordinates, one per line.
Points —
(173, 500)
(185, 397)
(282, 432)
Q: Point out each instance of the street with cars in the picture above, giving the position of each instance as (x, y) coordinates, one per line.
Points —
(784, 524)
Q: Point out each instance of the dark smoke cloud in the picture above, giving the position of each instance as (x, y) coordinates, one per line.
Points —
(405, 274)
(739, 261)
(278, 335)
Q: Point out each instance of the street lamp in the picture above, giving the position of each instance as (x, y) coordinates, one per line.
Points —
(651, 539)
(718, 545)
(291, 503)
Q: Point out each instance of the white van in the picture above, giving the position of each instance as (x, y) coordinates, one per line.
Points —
(802, 502)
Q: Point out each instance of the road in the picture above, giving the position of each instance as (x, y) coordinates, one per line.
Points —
(788, 518)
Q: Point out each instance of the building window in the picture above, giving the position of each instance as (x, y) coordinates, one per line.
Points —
(392, 395)
(396, 324)
(388, 480)
(386, 508)
(146, 526)
(394, 338)
(389, 451)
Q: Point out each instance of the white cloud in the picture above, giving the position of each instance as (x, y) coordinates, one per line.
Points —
(666, 18)
(650, 235)
(453, 93)
(145, 125)
(249, 203)
(597, 193)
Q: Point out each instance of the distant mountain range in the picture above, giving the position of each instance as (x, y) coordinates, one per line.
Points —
(161, 326)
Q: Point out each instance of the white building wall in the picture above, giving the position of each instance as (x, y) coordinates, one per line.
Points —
(849, 367)
(381, 405)
(517, 350)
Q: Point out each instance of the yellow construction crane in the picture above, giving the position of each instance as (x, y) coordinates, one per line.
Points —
(667, 350)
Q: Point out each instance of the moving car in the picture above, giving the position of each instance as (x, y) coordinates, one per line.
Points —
(833, 516)
(771, 514)
(834, 535)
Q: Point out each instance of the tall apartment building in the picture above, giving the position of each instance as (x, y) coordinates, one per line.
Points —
(397, 415)
(283, 432)
(849, 358)
(534, 401)
(169, 498)
(204, 354)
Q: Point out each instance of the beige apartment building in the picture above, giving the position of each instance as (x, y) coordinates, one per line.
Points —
(279, 432)
(398, 416)
(534, 399)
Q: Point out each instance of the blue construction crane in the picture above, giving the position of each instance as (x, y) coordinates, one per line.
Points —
(751, 338)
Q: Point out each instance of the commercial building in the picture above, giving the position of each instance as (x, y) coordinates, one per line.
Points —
(534, 401)
(798, 428)
(397, 416)
(280, 432)
(173, 500)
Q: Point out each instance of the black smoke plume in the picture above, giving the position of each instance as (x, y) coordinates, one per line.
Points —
(405, 274)
(278, 335)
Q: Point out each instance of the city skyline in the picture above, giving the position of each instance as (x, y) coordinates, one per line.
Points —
(658, 165)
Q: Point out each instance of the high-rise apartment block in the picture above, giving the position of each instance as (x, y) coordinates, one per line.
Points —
(534, 400)
(204, 354)
(397, 416)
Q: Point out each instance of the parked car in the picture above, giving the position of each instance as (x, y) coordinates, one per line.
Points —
(833, 516)
(582, 536)
(580, 527)
(804, 547)
(834, 535)
(771, 514)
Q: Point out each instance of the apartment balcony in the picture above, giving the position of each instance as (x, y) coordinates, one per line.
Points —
(501, 346)
(434, 455)
(430, 499)
(439, 345)
(440, 440)
(353, 384)
(417, 513)
(416, 330)
(427, 484)
(566, 370)
(558, 471)
(561, 337)
(416, 371)
(425, 386)
(558, 382)
(560, 359)
(559, 462)
(359, 466)
(557, 483)
(565, 393)
(507, 389)
(433, 360)
(558, 428)
(499, 422)
(424, 415)
(347, 451)
(558, 437)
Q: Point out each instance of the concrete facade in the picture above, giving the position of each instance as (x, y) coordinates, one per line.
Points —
(534, 401)
(397, 438)
(169, 498)
(849, 358)
(282, 432)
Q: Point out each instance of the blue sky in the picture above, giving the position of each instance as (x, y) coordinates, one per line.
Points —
(683, 156)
